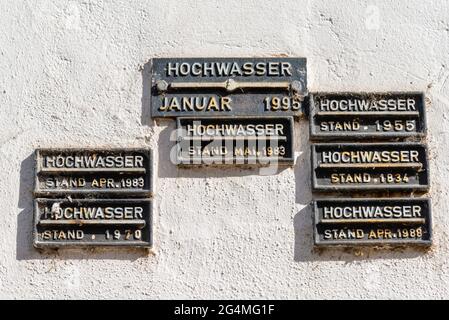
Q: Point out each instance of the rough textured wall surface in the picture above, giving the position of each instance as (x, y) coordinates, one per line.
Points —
(73, 75)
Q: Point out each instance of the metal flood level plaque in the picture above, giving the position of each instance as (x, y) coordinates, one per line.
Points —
(367, 115)
(235, 141)
(370, 167)
(125, 172)
(92, 222)
(227, 86)
(380, 222)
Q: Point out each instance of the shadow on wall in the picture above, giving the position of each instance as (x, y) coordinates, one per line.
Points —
(145, 114)
(24, 238)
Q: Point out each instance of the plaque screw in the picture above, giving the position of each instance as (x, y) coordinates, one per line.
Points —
(161, 85)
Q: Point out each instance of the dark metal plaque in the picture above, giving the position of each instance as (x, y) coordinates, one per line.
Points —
(125, 172)
(367, 115)
(92, 222)
(380, 222)
(228, 86)
(369, 167)
(235, 140)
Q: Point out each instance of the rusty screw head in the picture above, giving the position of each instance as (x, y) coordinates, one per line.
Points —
(161, 85)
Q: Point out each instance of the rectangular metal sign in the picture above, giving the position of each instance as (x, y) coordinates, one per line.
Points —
(92, 222)
(369, 167)
(125, 172)
(228, 86)
(380, 222)
(367, 115)
(235, 140)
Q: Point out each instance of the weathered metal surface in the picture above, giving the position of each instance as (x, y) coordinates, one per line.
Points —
(379, 222)
(92, 222)
(369, 167)
(228, 86)
(349, 115)
(235, 140)
(106, 172)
